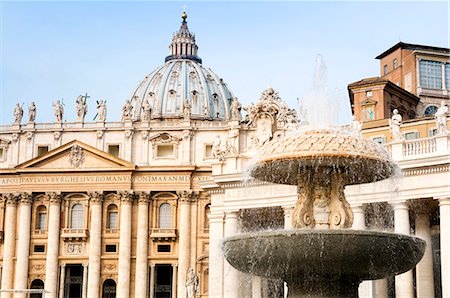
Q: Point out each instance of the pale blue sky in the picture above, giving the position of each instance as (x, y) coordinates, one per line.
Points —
(53, 50)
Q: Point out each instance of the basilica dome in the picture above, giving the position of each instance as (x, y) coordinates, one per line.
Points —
(183, 83)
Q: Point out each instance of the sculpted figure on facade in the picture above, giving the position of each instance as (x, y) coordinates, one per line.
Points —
(235, 110)
(81, 108)
(232, 143)
(18, 114)
(127, 111)
(287, 117)
(146, 111)
(441, 118)
(192, 284)
(217, 150)
(187, 110)
(395, 123)
(58, 111)
(32, 112)
(356, 126)
(101, 111)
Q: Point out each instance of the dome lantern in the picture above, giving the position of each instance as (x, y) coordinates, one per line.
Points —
(183, 44)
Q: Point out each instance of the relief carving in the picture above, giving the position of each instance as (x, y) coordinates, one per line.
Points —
(76, 156)
(74, 248)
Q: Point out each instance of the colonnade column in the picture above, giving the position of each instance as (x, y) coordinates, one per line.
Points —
(403, 282)
(123, 285)
(444, 211)
(51, 266)
(230, 275)
(424, 269)
(9, 244)
(359, 223)
(23, 244)
(62, 279)
(142, 248)
(95, 245)
(184, 247)
(216, 259)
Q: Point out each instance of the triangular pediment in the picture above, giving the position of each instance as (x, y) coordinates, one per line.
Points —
(76, 156)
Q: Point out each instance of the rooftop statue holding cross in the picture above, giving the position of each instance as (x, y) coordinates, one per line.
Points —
(81, 107)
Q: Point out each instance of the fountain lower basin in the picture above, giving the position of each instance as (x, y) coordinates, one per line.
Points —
(323, 263)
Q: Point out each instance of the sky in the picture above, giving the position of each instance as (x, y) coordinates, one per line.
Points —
(59, 49)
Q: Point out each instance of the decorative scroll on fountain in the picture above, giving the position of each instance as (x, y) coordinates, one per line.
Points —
(320, 257)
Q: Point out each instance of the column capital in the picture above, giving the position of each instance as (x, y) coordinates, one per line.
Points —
(126, 196)
(95, 197)
(401, 205)
(26, 198)
(143, 197)
(54, 197)
(187, 196)
(10, 199)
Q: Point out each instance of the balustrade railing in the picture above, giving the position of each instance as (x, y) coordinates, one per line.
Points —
(419, 147)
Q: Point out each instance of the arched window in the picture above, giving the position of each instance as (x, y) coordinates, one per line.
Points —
(112, 218)
(430, 110)
(109, 289)
(77, 217)
(165, 216)
(36, 284)
(41, 218)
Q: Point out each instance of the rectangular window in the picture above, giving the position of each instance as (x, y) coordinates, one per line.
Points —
(369, 93)
(208, 151)
(385, 70)
(432, 132)
(394, 64)
(430, 74)
(114, 150)
(113, 220)
(111, 248)
(411, 135)
(39, 248)
(447, 76)
(2, 151)
(379, 140)
(42, 150)
(163, 248)
(164, 151)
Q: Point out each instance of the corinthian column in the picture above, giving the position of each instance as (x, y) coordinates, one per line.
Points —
(9, 243)
(142, 247)
(230, 275)
(51, 267)
(185, 198)
(95, 245)
(23, 245)
(123, 287)
(403, 282)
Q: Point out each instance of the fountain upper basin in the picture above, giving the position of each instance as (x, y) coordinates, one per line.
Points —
(302, 254)
(288, 159)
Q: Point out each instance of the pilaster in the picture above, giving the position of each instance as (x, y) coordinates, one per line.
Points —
(141, 278)
(444, 211)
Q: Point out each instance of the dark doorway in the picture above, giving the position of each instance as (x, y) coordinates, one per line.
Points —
(109, 289)
(74, 281)
(37, 284)
(163, 281)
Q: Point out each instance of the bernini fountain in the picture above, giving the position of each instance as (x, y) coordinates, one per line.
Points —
(321, 257)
